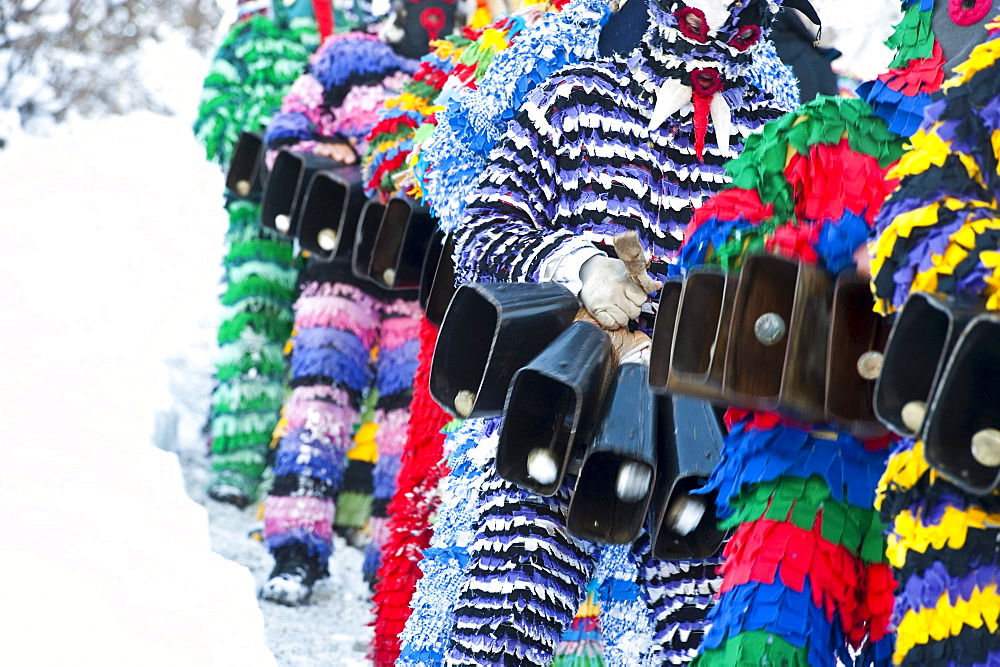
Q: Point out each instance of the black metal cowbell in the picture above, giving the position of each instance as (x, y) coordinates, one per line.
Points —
(689, 439)
(962, 429)
(776, 357)
(245, 176)
(700, 336)
(920, 342)
(489, 331)
(286, 188)
(330, 211)
(401, 245)
(364, 237)
(552, 406)
(618, 474)
(437, 277)
(855, 351)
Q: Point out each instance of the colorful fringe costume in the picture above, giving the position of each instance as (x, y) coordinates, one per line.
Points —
(251, 70)
(940, 232)
(416, 498)
(354, 345)
(805, 576)
(522, 575)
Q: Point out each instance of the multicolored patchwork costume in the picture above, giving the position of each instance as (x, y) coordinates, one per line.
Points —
(353, 346)
(805, 573)
(940, 232)
(585, 158)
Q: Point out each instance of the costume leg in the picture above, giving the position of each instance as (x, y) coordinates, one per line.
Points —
(525, 579)
(250, 369)
(410, 510)
(395, 367)
(336, 325)
(944, 548)
(679, 595)
(804, 576)
(425, 639)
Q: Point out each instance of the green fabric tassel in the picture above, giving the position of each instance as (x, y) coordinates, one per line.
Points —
(799, 501)
(250, 73)
(756, 647)
(912, 38)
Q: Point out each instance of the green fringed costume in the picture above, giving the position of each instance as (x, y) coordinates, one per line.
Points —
(253, 68)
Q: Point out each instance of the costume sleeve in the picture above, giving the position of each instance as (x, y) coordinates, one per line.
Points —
(507, 233)
(940, 231)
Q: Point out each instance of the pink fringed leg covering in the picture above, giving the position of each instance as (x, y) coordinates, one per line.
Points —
(395, 368)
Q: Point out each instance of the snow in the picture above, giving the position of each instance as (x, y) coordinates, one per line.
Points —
(110, 244)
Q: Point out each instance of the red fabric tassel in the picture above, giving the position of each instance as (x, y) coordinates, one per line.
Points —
(410, 510)
(323, 11)
(919, 76)
(832, 178)
(702, 103)
(841, 583)
(730, 205)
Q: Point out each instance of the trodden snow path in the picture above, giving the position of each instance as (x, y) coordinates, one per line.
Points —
(110, 244)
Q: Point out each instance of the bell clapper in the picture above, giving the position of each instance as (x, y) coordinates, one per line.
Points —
(542, 466)
(464, 400)
(242, 188)
(633, 481)
(769, 328)
(685, 514)
(327, 239)
(282, 223)
(912, 415)
(389, 277)
(870, 365)
(986, 447)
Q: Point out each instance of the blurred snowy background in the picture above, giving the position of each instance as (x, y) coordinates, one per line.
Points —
(110, 245)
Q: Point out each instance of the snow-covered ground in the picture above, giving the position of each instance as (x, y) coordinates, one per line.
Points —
(110, 243)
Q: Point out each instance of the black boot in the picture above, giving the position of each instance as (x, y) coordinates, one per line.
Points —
(291, 581)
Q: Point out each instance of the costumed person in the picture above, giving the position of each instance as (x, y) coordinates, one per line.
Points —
(387, 174)
(615, 126)
(354, 344)
(940, 233)
(266, 48)
(805, 577)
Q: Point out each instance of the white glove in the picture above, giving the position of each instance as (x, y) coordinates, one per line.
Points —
(610, 295)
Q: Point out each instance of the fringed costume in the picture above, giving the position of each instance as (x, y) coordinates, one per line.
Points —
(940, 232)
(806, 577)
(455, 66)
(354, 348)
(585, 158)
(252, 69)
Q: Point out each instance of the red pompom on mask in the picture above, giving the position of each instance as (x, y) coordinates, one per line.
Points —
(968, 12)
(692, 23)
(745, 37)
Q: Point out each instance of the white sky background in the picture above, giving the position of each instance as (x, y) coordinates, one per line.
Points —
(110, 244)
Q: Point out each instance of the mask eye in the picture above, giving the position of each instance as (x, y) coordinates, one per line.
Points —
(968, 12)
(745, 37)
(692, 23)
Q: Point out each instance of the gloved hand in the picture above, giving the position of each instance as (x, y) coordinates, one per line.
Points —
(610, 295)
